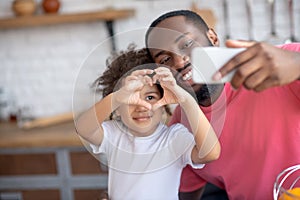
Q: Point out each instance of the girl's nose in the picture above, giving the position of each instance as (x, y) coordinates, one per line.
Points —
(141, 108)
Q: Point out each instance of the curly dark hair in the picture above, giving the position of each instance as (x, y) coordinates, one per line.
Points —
(119, 64)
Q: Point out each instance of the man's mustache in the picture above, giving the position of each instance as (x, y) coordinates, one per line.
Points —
(183, 68)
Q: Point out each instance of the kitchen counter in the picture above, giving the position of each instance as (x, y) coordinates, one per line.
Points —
(60, 135)
(50, 161)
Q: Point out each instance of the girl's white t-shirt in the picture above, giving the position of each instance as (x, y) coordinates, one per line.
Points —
(145, 167)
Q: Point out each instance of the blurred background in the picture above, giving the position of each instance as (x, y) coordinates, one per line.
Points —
(51, 51)
(39, 64)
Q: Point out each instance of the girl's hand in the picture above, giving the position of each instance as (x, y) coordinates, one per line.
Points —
(172, 92)
(132, 85)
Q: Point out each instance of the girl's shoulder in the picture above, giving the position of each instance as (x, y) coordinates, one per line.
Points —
(112, 127)
(178, 129)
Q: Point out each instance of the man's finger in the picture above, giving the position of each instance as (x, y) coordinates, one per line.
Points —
(244, 74)
(235, 62)
(256, 78)
(239, 43)
(266, 84)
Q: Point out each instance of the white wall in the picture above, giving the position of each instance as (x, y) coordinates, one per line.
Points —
(39, 65)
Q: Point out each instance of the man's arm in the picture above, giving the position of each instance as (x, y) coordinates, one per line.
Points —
(261, 65)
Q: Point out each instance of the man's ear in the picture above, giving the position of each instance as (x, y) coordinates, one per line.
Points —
(212, 36)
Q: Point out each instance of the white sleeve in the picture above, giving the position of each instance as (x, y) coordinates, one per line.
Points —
(102, 147)
(188, 159)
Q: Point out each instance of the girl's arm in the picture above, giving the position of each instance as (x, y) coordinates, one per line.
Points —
(88, 124)
(207, 144)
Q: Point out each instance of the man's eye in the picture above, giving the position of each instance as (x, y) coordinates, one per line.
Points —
(188, 44)
(165, 60)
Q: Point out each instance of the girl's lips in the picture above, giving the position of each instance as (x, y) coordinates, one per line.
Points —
(142, 118)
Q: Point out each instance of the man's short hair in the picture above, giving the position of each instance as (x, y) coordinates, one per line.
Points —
(189, 15)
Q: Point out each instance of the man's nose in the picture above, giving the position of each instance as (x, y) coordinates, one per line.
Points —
(180, 61)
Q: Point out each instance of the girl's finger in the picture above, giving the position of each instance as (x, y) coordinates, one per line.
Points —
(144, 104)
(130, 78)
(167, 79)
(158, 104)
(155, 78)
(142, 72)
(147, 80)
(163, 70)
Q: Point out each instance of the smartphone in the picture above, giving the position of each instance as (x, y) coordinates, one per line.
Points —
(207, 61)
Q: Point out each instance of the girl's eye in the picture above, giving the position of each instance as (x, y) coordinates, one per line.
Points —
(149, 98)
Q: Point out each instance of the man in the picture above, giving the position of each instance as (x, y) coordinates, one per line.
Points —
(259, 131)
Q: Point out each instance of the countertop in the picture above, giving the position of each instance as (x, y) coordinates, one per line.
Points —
(60, 135)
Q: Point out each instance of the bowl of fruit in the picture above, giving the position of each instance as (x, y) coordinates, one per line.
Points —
(287, 184)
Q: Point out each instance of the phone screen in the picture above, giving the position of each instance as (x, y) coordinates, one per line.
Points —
(207, 60)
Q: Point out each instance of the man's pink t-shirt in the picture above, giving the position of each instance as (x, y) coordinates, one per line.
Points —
(259, 135)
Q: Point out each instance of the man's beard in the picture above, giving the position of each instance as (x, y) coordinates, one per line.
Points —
(205, 92)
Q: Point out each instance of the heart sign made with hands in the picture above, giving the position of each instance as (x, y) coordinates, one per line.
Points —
(132, 85)
(172, 92)
(136, 81)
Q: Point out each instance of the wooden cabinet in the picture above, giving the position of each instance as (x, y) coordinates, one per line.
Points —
(48, 19)
(107, 15)
(48, 163)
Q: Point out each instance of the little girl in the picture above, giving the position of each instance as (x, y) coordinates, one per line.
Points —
(144, 156)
